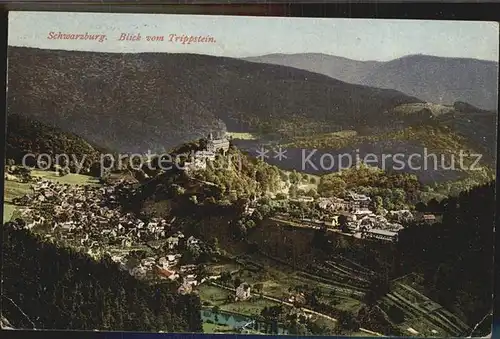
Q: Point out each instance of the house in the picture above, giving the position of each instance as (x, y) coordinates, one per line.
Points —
(148, 261)
(381, 234)
(305, 199)
(165, 273)
(358, 200)
(361, 212)
(204, 155)
(138, 272)
(192, 241)
(333, 204)
(185, 288)
(217, 144)
(334, 222)
(172, 242)
(298, 298)
(126, 242)
(187, 268)
(249, 210)
(395, 227)
(163, 262)
(243, 292)
(429, 218)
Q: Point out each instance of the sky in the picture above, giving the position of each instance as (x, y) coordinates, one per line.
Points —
(239, 36)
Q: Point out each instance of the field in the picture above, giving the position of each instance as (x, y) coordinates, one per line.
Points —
(14, 189)
(71, 178)
(214, 328)
(339, 282)
(279, 281)
(251, 307)
(213, 295)
(242, 136)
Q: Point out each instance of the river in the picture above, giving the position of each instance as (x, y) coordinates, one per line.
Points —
(240, 321)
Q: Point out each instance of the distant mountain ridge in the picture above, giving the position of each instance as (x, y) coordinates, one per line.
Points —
(340, 68)
(434, 79)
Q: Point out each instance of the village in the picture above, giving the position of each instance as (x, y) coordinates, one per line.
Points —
(352, 216)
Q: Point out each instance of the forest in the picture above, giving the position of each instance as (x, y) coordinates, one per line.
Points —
(48, 287)
(456, 256)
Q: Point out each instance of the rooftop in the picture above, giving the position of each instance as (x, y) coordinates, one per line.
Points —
(383, 232)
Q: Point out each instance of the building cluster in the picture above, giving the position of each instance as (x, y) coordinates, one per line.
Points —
(91, 218)
(360, 219)
(87, 213)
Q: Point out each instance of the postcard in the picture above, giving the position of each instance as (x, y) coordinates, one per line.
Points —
(253, 175)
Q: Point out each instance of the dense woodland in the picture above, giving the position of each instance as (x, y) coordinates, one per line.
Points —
(28, 136)
(60, 288)
(456, 256)
(135, 102)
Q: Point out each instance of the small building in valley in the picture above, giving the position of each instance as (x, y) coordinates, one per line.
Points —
(243, 292)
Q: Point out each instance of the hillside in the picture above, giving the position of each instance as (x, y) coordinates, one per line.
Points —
(456, 257)
(28, 136)
(52, 287)
(136, 102)
(433, 79)
(440, 80)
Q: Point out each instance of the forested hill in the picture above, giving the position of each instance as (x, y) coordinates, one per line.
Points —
(136, 102)
(456, 256)
(28, 136)
(58, 288)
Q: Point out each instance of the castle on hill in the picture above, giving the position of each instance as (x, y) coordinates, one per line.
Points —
(215, 144)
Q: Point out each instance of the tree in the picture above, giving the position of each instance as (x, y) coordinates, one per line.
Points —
(258, 287)
(215, 244)
(249, 224)
(379, 286)
(378, 204)
(264, 210)
(293, 191)
(257, 216)
(237, 282)
(216, 311)
(346, 321)
(420, 207)
(332, 185)
(433, 206)
(343, 223)
(281, 196)
(294, 177)
(225, 277)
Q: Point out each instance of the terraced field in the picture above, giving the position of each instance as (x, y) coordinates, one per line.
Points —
(420, 313)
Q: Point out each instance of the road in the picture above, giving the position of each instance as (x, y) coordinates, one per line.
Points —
(307, 310)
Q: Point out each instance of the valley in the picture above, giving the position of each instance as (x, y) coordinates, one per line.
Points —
(283, 209)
